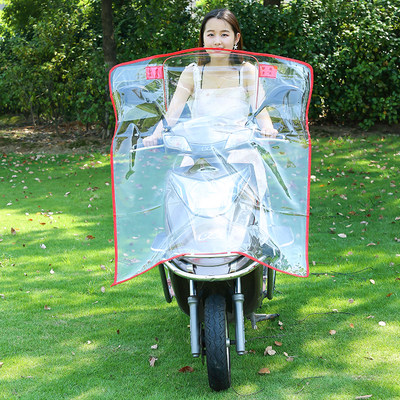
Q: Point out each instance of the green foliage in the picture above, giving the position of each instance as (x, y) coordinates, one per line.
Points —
(51, 60)
(55, 72)
(354, 48)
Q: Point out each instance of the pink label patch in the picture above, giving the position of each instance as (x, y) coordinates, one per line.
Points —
(155, 72)
(268, 71)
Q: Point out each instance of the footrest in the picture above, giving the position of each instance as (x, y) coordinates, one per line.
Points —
(254, 318)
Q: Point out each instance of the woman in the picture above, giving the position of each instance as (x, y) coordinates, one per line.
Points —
(222, 85)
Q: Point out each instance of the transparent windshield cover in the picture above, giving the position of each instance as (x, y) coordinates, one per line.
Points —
(211, 155)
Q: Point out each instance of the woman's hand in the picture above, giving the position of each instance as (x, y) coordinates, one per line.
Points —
(271, 132)
(152, 140)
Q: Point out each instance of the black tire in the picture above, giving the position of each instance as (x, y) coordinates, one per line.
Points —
(216, 337)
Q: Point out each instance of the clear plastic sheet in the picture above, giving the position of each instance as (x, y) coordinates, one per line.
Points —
(203, 175)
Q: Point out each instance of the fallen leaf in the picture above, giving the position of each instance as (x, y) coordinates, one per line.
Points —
(52, 271)
(264, 371)
(389, 294)
(342, 235)
(367, 396)
(289, 359)
(1, 364)
(186, 369)
(154, 347)
(13, 231)
(103, 289)
(47, 308)
(382, 323)
(351, 301)
(351, 325)
(372, 281)
(89, 237)
(332, 332)
(152, 361)
(43, 246)
(278, 343)
(270, 351)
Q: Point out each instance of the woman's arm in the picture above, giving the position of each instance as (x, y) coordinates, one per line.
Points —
(256, 91)
(183, 91)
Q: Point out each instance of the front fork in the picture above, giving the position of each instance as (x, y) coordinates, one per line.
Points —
(195, 328)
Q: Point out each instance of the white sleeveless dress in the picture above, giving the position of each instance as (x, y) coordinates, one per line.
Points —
(230, 102)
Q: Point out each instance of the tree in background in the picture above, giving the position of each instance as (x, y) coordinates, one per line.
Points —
(107, 23)
(272, 3)
(53, 53)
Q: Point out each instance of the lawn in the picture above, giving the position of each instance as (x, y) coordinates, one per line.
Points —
(66, 334)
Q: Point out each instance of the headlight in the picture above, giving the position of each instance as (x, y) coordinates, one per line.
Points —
(208, 198)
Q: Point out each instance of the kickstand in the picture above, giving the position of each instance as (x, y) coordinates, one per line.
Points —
(254, 318)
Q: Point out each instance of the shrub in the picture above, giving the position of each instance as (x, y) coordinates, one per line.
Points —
(51, 63)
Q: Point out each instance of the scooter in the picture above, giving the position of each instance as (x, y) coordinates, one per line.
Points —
(208, 204)
(192, 207)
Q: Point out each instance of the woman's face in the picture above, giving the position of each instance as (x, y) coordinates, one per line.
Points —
(219, 34)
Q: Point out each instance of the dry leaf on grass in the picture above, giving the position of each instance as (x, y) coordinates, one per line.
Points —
(264, 371)
(270, 351)
(186, 369)
(152, 361)
(332, 332)
(288, 358)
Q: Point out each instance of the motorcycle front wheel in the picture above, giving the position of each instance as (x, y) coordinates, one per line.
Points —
(216, 337)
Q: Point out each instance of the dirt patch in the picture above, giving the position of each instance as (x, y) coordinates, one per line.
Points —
(22, 138)
(340, 130)
(75, 138)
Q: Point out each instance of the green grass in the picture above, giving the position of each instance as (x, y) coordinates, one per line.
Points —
(66, 334)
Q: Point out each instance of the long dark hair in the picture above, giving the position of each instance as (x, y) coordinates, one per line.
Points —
(229, 17)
